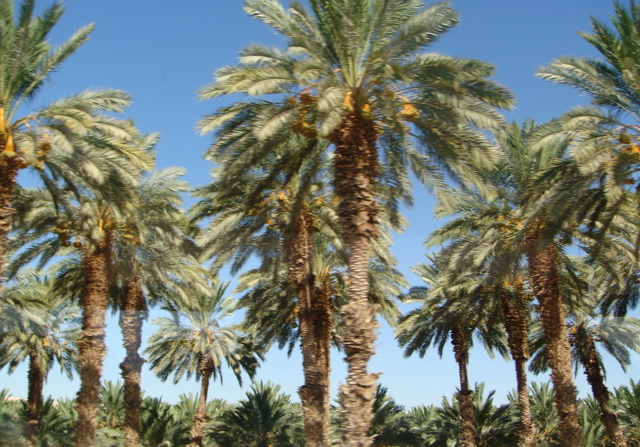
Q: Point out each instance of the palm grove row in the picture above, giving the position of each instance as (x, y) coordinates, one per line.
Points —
(311, 167)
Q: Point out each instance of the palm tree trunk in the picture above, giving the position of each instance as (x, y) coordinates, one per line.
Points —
(356, 173)
(543, 270)
(200, 420)
(468, 432)
(9, 167)
(516, 326)
(34, 400)
(527, 432)
(315, 317)
(132, 314)
(591, 364)
(91, 347)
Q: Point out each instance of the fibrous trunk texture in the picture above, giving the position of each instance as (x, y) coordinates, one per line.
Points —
(516, 323)
(591, 364)
(315, 316)
(91, 347)
(132, 314)
(356, 173)
(461, 345)
(34, 400)
(542, 257)
(9, 167)
(200, 420)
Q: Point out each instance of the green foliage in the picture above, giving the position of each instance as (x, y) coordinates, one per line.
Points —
(264, 418)
(391, 425)
(626, 403)
(363, 57)
(195, 329)
(11, 420)
(440, 426)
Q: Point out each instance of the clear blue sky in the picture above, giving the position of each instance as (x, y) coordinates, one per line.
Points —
(162, 51)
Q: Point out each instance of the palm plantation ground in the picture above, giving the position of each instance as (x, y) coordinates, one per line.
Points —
(312, 159)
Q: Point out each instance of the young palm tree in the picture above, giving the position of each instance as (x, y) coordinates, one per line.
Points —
(455, 308)
(391, 424)
(494, 427)
(353, 75)
(544, 413)
(264, 418)
(198, 345)
(50, 338)
(627, 403)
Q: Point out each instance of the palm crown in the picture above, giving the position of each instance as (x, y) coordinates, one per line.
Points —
(178, 345)
(361, 56)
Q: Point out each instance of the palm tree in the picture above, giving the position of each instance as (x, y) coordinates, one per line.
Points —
(90, 215)
(51, 338)
(199, 345)
(481, 237)
(10, 420)
(146, 262)
(593, 432)
(352, 75)
(494, 427)
(280, 219)
(604, 137)
(544, 413)
(627, 402)
(150, 263)
(523, 225)
(616, 335)
(56, 428)
(266, 417)
(391, 424)
(289, 223)
(456, 308)
(611, 83)
(26, 62)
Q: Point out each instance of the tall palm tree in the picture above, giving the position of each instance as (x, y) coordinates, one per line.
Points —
(50, 338)
(275, 314)
(198, 345)
(617, 335)
(90, 215)
(603, 137)
(151, 262)
(279, 218)
(451, 308)
(353, 74)
(482, 237)
(290, 224)
(524, 226)
(27, 61)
